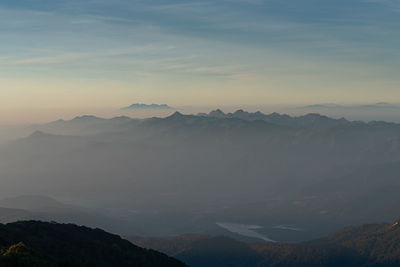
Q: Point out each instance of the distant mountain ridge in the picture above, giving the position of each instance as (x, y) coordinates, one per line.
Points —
(309, 120)
(87, 125)
(146, 106)
(275, 169)
(90, 125)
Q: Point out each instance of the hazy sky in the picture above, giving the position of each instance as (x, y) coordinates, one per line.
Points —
(66, 54)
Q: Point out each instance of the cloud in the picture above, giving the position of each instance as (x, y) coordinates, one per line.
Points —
(67, 57)
(284, 44)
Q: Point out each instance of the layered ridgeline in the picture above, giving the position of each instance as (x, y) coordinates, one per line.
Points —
(311, 172)
(367, 245)
(139, 106)
(34, 244)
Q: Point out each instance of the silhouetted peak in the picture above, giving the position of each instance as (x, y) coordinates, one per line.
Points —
(313, 115)
(239, 111)
(275, 115)
(176, 115)
(217, 113)
(146, 106)
(121, 118)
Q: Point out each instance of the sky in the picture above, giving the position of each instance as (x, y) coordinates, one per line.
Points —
(58, 55)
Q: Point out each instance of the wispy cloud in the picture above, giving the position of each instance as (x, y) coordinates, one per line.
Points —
(70, 56)
(169, 44)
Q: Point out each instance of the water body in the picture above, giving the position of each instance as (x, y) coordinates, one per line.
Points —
(244, 230)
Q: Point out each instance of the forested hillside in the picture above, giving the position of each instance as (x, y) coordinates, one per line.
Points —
(40, 244)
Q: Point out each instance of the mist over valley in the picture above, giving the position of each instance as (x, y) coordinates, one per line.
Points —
(192, 171)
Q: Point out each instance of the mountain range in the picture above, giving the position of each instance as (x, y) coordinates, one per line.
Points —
(146, 106)
(311, 172)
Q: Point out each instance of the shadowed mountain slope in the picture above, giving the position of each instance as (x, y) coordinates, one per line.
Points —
(366, 245)
(71, 245)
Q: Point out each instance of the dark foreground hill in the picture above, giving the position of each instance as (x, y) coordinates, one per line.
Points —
(40, 244)
(375, 245)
